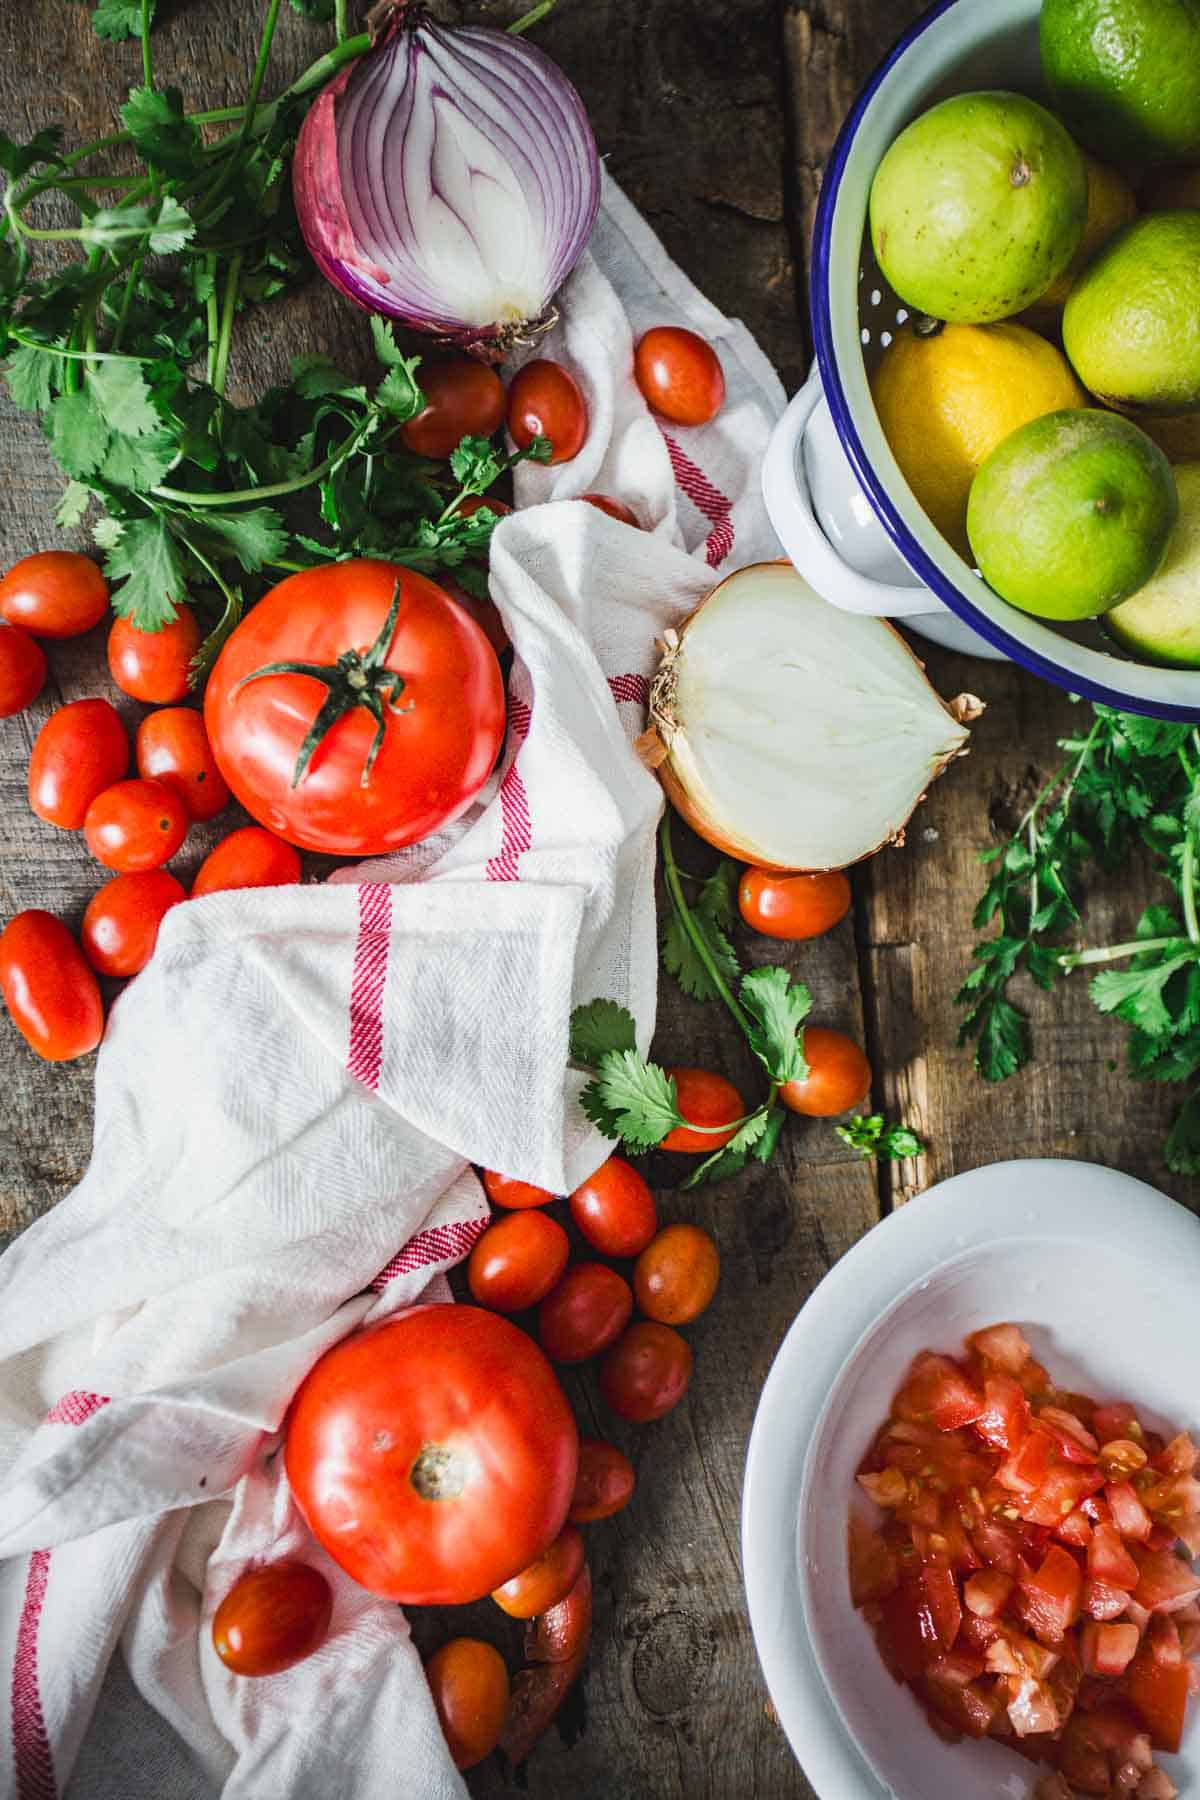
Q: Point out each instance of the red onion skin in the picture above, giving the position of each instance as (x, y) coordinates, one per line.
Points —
(317, 189)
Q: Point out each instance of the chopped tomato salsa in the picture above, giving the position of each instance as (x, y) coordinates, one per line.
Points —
(1028, 1572)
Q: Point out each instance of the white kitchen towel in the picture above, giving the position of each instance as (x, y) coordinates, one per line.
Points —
(288, 1100)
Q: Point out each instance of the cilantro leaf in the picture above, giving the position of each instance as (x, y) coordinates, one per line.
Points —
(173, 227)
(475, 463)
(599, 1027)
(139, 462)
(122, 398)
(254, 537)
(145, 558)
(732, 1157)
(778, 1006)
(29, 373)
(162, 135)
(317, 376)
(118, 19)
(874, 1136)
(713, 917)
(1182, 1152)
(386, 348)
(17, 159)
(1002, 1038)
(77, 433)
(632, 1099)
(398, 393)
(1136, 995)
(71, 508)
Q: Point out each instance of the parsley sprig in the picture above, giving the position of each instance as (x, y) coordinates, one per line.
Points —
(182, 228)
(1128, 782)
(636, 1101)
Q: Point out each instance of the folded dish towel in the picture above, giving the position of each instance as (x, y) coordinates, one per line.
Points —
(288, 1102)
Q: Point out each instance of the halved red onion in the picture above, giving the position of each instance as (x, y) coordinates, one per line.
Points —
(449, 180)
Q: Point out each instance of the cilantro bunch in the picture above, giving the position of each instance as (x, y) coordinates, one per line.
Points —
(181, 228)
(1127, 783)
(636, 1101)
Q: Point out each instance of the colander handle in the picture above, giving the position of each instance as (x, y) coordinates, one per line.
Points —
(789, 504)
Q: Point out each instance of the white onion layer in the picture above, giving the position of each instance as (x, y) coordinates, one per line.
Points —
(803, 735)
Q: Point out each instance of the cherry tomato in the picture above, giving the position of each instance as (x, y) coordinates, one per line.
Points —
(793, 906)
(80, 750)
(704, 1099)
(272, 1617)
(173, 747)
(514, 1195)
(676, 1276)
(646, 1372)
(517, 1261)
(604, 1484)
(463, 398)
(585, 1313)
(154, 665)
(22, 670)
(120, 926)
(616, 509)
(547, 1581)
(614, 1209)
(54, 594)
(557, 1646)
(433, 1455)
(247, 858)
(135, 825)
(679, 375)
(469, 1684)
(437, 689)
(50, 992)
(839, 1075)
(545, 401)
(476, 502)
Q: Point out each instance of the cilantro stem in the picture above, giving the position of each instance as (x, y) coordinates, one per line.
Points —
(1187, 873)
(341, 22)
(1077, 959)
(228, 314)
(131, 281)
(75, 355)
(684, 914)
(532, 17)
(279, 488)
(256, 80)
(327, 66)
(211, 315)
(147, 54)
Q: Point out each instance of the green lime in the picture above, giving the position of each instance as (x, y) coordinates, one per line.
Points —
(1162, 621)
(1125, 75)
(1072, 514)
(1132, 323)
(977, 206)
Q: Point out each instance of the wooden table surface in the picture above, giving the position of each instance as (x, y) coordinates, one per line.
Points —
(717, 120)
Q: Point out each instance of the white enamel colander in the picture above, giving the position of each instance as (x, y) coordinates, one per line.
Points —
(844, 513)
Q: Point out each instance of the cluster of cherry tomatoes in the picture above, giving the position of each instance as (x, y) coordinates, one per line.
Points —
(79, 781)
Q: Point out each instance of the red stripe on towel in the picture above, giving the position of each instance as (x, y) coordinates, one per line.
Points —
(32, 1760)
(516, 825)
(709, 500)
(365, 1057)
(440, 1244)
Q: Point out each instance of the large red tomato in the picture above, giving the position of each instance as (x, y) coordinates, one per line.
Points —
(434, 1455)
(356, 709)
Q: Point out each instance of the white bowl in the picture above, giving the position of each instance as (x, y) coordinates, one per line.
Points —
(1103, 1275)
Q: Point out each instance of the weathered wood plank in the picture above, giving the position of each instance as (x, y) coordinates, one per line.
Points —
(1077, 1099)
(688, 107)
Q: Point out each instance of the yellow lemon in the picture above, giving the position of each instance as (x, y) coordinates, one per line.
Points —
(1110, 205)
(946, 400)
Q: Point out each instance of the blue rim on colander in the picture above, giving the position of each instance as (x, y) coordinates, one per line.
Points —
(889, 515)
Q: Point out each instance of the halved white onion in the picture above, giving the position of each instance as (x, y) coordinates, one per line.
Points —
(791, 734)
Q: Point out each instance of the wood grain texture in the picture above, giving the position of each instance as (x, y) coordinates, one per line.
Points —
(688, 108)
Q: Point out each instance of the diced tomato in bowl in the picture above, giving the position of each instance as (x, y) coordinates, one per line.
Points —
(1030, 1582)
